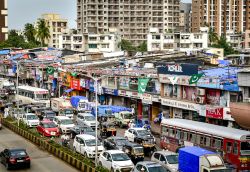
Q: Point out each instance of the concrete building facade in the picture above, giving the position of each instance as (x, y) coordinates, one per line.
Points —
(131, 18)
(71, 41)
(185, 17)
(57, 26)
(222, 15)
(3, 20)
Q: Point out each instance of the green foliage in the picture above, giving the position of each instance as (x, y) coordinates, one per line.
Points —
(42, 31)
(212, 36)
(30, 32)
(142, 47)
(127, 46)
(222, 43)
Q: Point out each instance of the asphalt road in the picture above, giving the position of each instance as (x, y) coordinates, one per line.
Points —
(40, 161)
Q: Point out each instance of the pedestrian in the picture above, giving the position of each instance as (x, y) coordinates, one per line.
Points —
(64, 139)
(6, 112)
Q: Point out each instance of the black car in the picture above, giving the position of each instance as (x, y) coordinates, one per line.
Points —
(81, 129)
(114, 143)
(12, 158)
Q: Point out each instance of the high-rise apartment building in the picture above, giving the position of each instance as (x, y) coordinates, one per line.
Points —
(185, 17)
(3, 20)
(224, 16)
(132, 18)
(57, 26)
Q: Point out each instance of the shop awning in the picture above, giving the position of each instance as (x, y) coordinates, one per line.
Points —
(68, 90)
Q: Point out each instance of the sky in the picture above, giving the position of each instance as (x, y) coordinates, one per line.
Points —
(21, 12)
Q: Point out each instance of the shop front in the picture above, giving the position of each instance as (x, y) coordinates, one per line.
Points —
(111, 97)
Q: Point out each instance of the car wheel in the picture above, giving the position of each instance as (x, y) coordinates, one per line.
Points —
(60, 130)
(112, 170)
(121, 125)
(85, 154)
(7, 166)
(74, 149)
(28, 166)
(100, 164)
(71, 135)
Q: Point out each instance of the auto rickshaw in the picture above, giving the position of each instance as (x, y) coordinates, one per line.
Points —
(149, 146)
(107, 129)
(134, 151)
(107, 118)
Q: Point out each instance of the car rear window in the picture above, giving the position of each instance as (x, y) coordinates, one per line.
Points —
(18, 153)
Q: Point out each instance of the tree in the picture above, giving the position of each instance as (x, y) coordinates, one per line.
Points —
(143, 47)
(212, 36)
(222, 43)
(127, 46)
(30, 32)
(42, 31)
(14, 39)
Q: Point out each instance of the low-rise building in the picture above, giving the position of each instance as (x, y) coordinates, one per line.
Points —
(247, 39)
(235, 40)
(177, 41)
(71, 41)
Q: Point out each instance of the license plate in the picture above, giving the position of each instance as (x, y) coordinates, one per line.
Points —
(53, 133)
(19, 160)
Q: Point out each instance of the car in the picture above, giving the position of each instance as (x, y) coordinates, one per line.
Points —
(167, 159)
(123, 118)
(64, 124)
(115, 160)
(148, 166)
(85, 144)
(30, 119)
(13, 158)
(137, 134)
(86, 119)
(114, 143)
(48, 114)
(81, 129)
(48, 128)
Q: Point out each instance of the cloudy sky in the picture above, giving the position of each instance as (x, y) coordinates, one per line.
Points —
(27, 11)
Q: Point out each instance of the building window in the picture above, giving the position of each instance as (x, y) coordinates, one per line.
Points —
(92, 45)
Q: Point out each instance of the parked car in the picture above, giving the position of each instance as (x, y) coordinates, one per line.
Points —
(86, 119)
(115, 160)
(85, 145)
(63, 123)
(30, 119)
(114, 143)
(167, 159)
(141, 136)
(81, 129)
(48, 128)
(148, 166)
(13, 158)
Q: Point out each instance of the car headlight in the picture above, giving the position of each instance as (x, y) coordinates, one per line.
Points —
(46, 131)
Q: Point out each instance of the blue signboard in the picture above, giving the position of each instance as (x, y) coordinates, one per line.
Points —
(178, 69)
(110, 91)
(91, 86)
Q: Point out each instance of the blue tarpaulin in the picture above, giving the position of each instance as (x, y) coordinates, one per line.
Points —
(68, 90)
(15, 57)
(4, 52)
(75, 100)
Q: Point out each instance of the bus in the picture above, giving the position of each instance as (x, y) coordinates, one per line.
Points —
(232, 144)
(33, 95)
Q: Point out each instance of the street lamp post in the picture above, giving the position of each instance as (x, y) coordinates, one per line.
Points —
(17, 92)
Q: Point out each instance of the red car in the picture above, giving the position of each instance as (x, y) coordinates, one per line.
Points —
(48, 128)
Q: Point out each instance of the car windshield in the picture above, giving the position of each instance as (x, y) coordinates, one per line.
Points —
(68, 111)
(92, 142)
(245, 148)
(50, 114)
(143, 132)
(120, 157)
(156, 169)
(127, 116)
(49, 125)
(90, 118)
(121, 142)
(32, 117)
(85, 129)
(18, 153)
(138, 150)
(172, 159)
(67, 122)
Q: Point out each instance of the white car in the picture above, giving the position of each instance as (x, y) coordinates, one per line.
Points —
(167, 159)
(63, 123)
(30, 119)
(85, 144)
(135, 134)
(115, 160)
(86, 119)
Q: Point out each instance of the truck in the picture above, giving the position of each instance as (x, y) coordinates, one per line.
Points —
(62, 107)
(80, 103)
(7, 87)
(196, 159)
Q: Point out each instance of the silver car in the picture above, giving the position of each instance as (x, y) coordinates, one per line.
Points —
(148, 166)
(169, 160)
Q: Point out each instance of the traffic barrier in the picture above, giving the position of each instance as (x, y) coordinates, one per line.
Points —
(78, 164)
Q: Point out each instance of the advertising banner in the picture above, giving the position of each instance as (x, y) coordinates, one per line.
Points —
(178, 69)
(75, 84)
(146, 98)
(110, 91)
(213, 112)
(213, 97)
(180, 104)
(82, 83)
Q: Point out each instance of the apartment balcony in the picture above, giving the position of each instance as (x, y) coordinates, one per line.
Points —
(240, 113)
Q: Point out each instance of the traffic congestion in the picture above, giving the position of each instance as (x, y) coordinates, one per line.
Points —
(114, 138)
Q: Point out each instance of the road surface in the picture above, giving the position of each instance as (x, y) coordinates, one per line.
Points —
(40, 161)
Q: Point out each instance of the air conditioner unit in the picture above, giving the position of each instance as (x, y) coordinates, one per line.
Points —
(200, 100)
(234, 62)
(201, 92)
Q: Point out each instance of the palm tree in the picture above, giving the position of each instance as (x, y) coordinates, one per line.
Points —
(212, 36)
(30, 32)
(42, 31)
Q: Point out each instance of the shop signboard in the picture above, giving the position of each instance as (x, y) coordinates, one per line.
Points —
(132, 94)
(122, 92)
(183, 80)
(180, 104)
(178, 69)
(75, 84)
(213, 97)
(91, 86)
(110, 91)
(124, 82)
(82, 83)
(214, 112)
(156, 98)
(146, 98)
